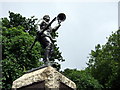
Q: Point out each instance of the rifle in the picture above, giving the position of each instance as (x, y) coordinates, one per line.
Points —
(42, 32)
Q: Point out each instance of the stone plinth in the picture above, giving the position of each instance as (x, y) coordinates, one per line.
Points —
(44, 79)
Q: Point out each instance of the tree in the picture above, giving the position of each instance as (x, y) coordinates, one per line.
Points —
(104, 62)
(82, 79)
(16, 56)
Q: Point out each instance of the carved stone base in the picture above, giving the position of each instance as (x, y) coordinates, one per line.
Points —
(44, 79)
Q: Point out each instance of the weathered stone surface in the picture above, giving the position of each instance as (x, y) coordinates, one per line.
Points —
(49, 75)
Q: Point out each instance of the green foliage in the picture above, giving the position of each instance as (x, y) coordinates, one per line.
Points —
(18, 20)
(17, 58)
(83, 79)
(104, 62)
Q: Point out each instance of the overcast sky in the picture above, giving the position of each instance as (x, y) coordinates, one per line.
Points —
(87, 24)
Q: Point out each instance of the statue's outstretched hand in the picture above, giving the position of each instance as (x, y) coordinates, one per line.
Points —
(59, 22)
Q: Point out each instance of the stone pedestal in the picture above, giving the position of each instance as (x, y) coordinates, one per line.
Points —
(43, 79)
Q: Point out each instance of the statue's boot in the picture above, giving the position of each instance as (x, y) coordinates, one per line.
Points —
(46, 57)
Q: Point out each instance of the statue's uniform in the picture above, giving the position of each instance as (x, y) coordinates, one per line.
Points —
(46, 39)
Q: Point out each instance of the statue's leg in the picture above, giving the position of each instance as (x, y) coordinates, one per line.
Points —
(48, 44)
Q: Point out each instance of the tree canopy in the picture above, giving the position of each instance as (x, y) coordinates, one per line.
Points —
(82, 78)
(104, 62)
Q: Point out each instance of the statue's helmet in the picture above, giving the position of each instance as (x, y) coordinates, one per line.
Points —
(46, 18)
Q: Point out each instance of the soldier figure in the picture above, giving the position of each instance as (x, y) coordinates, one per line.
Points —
(45, 38)
(44, 34)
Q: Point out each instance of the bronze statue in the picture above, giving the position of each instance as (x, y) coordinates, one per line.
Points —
(44, 31)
